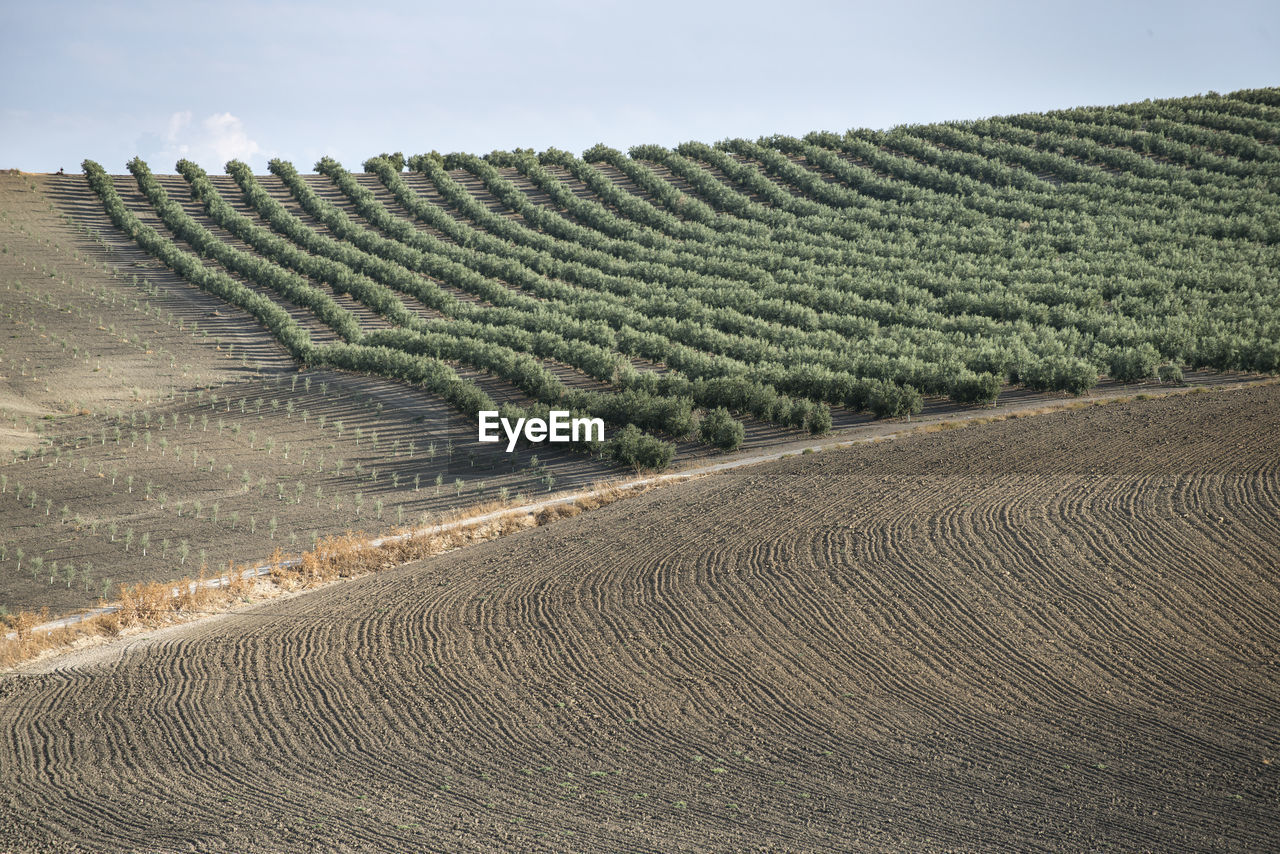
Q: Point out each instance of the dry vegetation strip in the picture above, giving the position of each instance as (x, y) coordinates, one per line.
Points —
(1053, 633)
(153, 604)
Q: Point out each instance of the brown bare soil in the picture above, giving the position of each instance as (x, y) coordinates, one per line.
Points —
(1050, 633)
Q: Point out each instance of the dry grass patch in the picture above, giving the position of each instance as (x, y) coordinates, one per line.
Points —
(350, 555)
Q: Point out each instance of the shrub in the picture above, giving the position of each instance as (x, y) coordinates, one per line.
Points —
(1060, 373)
(890, 400)
(819, 420)
(630, 446)
(1134, 363)
(975, 388)
(721, 429)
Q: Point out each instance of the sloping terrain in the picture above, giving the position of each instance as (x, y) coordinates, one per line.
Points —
(133, 406)
(773, 280)
(200, 368)
(1051, 633)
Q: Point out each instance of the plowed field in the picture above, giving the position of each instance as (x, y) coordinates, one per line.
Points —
(1051, 633)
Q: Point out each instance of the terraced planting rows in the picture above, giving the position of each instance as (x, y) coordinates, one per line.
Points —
(1050, 633)
(710, 295)
(770, 280)
(1055, 632)
(330, 337)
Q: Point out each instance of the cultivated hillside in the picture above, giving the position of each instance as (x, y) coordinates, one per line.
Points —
(774, 279)
(203, 368)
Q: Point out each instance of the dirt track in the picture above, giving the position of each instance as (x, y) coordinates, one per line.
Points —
(1055, 633)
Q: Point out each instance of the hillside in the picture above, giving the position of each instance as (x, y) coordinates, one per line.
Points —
(204, 368)
(776, 279)
(1050, 633)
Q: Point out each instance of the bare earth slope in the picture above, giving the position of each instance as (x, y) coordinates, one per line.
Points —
(1053, 633)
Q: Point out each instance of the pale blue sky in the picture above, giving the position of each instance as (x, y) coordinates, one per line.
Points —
(299, 80)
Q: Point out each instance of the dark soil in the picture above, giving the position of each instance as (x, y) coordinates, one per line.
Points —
(1058, 633)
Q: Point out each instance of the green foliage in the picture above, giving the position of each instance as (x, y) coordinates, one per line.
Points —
(1134, 363)
(818, 420)
(887, 400)
(395, 160)
(719, 428)
(968, 387)
(1060, 373)
(269, 313)
(776, 277)
(631, 447)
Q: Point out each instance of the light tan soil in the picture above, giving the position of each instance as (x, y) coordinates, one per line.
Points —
(87, 350)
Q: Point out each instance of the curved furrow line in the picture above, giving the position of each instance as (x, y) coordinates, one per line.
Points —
(1121, 617)
(837, 625)
(1221, 561)
(138, 745)
(347, 687)
(1210, 557)
(711, 658)
(195, 750)
(1064, 692)
(554, 639)
(47, 764)
(998, 582)
(323, 706)
(1114, 552)
(791, 614)
(556, 643)
(1251, 499)
(1182, 624)
(259, 682)
(959, 626)
(909, 629)
(436, 666)
(746, 629)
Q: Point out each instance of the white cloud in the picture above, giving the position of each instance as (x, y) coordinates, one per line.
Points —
(211, 143)
(177, 122)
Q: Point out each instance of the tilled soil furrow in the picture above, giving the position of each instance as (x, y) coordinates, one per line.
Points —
(1029, 632)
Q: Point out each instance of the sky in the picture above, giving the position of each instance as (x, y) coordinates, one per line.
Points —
(253, 81)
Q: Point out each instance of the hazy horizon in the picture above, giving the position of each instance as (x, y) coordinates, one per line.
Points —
(298, 81)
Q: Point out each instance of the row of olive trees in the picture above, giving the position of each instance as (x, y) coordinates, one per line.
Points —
(432, 374)
(375, 357)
